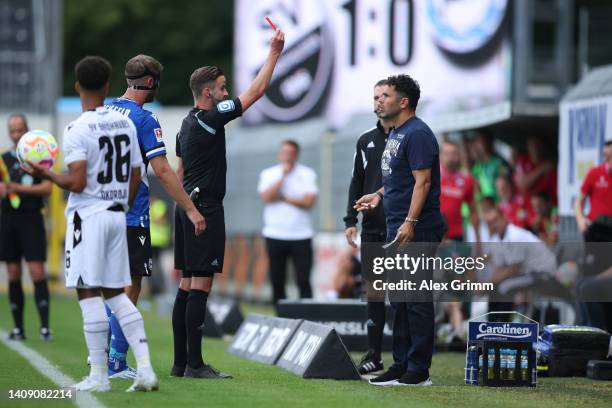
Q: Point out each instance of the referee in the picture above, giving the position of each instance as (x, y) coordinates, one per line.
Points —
(411, 200)
(367, 178)
(200, 147)
(22, 233)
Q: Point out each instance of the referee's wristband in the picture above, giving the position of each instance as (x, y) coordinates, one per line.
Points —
(379, 194)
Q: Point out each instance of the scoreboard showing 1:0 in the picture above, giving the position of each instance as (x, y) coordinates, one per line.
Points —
(397, 17)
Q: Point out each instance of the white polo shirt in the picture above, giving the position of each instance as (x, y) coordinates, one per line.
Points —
(284, 221)
(520, 246)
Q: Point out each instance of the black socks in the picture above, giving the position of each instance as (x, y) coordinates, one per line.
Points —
(16, 302)
(194, 320)
(41, 297)
(179, 328)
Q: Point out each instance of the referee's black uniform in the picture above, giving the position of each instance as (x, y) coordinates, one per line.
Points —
(366, 179)
(201, 146)
(22, 235)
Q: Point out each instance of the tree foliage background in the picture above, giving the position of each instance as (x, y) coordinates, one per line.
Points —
(181, 34)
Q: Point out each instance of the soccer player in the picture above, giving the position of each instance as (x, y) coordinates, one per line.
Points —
(367, 178)
(143, 74)
(22, 233)
(411, 187)
(200, 147)
(103, 159)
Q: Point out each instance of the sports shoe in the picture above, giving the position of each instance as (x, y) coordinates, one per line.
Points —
(206, 371)
(177, 371)
(17, 334)
(370, 364)
(414, 379)
(146, 380)
(128, 373)
(45, 334)
(389, 377)
(93, 384)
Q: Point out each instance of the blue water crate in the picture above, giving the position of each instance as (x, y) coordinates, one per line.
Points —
(501, 354)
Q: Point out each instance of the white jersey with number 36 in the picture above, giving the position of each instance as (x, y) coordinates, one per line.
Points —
(107, 141)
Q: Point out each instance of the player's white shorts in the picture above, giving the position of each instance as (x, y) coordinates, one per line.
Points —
(97, 251)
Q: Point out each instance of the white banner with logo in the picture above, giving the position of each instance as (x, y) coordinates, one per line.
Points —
(582, 132)
(336, 50)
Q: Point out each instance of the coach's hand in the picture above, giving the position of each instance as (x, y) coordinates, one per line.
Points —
(197, 219)
(351, 233)
(278, 42)
(367, 202)
(405, 233)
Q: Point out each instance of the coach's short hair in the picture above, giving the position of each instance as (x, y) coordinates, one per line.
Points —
(406, 87)
(142, 65)
(93, 72)
(202, 77)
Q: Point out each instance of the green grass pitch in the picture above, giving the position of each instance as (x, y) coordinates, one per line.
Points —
(258, 385)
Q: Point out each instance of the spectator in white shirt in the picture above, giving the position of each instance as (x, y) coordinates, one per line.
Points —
(289, 191)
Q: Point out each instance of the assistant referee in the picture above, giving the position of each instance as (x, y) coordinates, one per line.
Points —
(200, 147)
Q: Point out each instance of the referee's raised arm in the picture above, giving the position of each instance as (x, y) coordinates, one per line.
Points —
(262, 80)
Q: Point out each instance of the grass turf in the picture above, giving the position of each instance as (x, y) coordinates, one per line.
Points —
(258, 385)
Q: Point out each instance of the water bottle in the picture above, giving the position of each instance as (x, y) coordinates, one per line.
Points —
(471, 369)
(491, 364)
(524, 366)
(503, 364)
(511, 364)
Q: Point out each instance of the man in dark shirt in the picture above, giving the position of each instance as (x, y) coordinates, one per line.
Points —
(22, 234)
(411, 199)
(367, 178)
(202, 164)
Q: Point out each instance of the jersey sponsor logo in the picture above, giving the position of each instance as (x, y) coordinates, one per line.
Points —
(226, 106)
(158, 135)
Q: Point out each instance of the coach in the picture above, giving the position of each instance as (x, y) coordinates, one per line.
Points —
(411, 200)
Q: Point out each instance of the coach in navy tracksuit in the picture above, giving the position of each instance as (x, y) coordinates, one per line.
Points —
(411, 200)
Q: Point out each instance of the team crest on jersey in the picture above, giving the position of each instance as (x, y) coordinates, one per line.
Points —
(226, 106)
(158, 135)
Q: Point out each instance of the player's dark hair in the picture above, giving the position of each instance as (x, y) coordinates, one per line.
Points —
(202, 77)
(19, 115)
(381, 83)
(292, 143)
(93, 72)
(407, 88)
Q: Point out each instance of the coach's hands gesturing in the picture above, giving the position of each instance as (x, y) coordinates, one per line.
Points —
(196, 219)
(367, 202)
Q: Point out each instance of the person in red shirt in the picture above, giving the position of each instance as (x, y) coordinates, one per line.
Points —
(535, 172)
(457, 187)
(597, 187)
(513, 204)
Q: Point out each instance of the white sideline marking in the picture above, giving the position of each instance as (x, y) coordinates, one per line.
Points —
(46, 368)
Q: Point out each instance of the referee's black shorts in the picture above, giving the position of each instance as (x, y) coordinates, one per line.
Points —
(139, 250)
(22, 235)
(199, 256)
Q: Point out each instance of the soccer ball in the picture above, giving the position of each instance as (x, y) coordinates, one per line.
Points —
(38, 147)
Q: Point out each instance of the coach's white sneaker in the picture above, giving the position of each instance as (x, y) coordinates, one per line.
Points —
(90, 383)
(146, 380)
